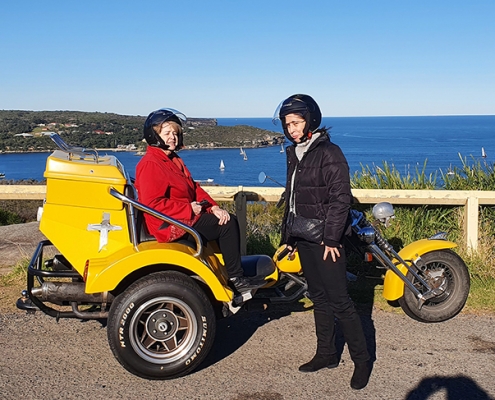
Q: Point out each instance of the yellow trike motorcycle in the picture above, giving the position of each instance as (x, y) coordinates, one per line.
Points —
(162, 300)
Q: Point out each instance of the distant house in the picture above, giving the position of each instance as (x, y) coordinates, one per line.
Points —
(47, 133)
(99, 132)
(24, 134)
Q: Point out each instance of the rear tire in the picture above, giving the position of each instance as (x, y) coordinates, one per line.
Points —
(162, 326)
(449, 303)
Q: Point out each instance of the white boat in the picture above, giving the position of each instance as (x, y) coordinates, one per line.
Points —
(282, 148)
(450, 171)
(242, 152)
(245, 156)
(483, 154)
(2, 175)
(222, 165)
(209, 180)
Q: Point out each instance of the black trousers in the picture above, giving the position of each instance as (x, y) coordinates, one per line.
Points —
(228, 237)
(327, 284)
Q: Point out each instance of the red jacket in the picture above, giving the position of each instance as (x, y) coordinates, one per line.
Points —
(168, 187)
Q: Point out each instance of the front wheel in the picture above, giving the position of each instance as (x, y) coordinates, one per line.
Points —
(438, 265)
(162, 326)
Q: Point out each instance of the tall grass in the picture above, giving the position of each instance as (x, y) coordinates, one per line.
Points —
(389, 177)
(477, 175)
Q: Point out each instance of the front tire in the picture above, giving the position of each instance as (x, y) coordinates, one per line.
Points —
(162, 326)
(451, 301)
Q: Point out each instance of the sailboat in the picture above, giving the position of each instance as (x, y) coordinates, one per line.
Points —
(245, 156)
(242, 152)
(282, 148)
(222, 165)
(483, 154)
(450, 171)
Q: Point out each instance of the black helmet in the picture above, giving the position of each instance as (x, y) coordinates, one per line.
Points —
(158, 117)
(303, 105)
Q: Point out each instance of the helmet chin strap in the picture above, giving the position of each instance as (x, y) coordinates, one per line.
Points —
(160, 143)
(306, 137)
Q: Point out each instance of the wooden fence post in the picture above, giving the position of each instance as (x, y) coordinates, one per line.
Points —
(241, 212)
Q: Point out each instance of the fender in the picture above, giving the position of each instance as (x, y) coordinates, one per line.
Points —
(104, 274)
(393, 286)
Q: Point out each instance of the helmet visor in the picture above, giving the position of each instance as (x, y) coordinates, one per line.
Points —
(276, 115)
(166, 114)
(289, 106)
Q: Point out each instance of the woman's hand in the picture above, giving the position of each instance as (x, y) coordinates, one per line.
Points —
(333, 251)
(196, 207)
(222, 215)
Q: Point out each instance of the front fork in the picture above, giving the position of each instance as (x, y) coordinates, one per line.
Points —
(398, 271)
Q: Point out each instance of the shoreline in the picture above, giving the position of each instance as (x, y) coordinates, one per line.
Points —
(117, 150)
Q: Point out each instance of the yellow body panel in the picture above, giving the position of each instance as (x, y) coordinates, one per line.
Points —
(67, 229)
(77, 195)
(393, 286)
(104, 274)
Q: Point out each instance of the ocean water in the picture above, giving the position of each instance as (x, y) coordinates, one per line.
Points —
(405, 142)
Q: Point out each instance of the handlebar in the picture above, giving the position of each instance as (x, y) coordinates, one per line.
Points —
(283, 253)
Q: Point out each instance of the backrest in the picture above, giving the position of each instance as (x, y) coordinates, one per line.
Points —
(137, 222)
(136, 218)
(142, 230)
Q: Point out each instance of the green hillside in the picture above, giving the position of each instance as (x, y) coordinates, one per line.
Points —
(28, 130)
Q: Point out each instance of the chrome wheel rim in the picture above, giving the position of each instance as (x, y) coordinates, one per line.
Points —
(163, 330)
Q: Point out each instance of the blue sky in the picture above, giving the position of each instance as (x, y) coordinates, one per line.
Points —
(241, 58)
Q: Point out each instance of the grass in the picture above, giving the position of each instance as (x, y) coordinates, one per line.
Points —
(389, 177)
(11, 285)
(17, 274)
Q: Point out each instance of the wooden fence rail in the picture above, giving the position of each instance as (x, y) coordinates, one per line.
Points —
(470, 199)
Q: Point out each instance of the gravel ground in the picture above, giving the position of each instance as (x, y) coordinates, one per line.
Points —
(18, 242)
(255, 356)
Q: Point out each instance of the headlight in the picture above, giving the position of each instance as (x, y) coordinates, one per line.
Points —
(367, 234)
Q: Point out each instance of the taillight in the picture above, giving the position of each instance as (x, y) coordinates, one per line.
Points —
(85, 274)
(368, 257)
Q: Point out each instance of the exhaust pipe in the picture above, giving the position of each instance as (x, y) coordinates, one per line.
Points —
(62, 293)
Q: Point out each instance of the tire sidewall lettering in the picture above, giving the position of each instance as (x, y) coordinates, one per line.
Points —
(122, 323)
(202, 341)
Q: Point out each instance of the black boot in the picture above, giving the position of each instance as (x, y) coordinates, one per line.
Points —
(326, 356)
(320, 361)
(361, 375)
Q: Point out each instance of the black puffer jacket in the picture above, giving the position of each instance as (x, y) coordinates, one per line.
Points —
(322, 188)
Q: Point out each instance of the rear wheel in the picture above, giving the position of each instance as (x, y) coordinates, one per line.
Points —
(162, 326)
(436, 266)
